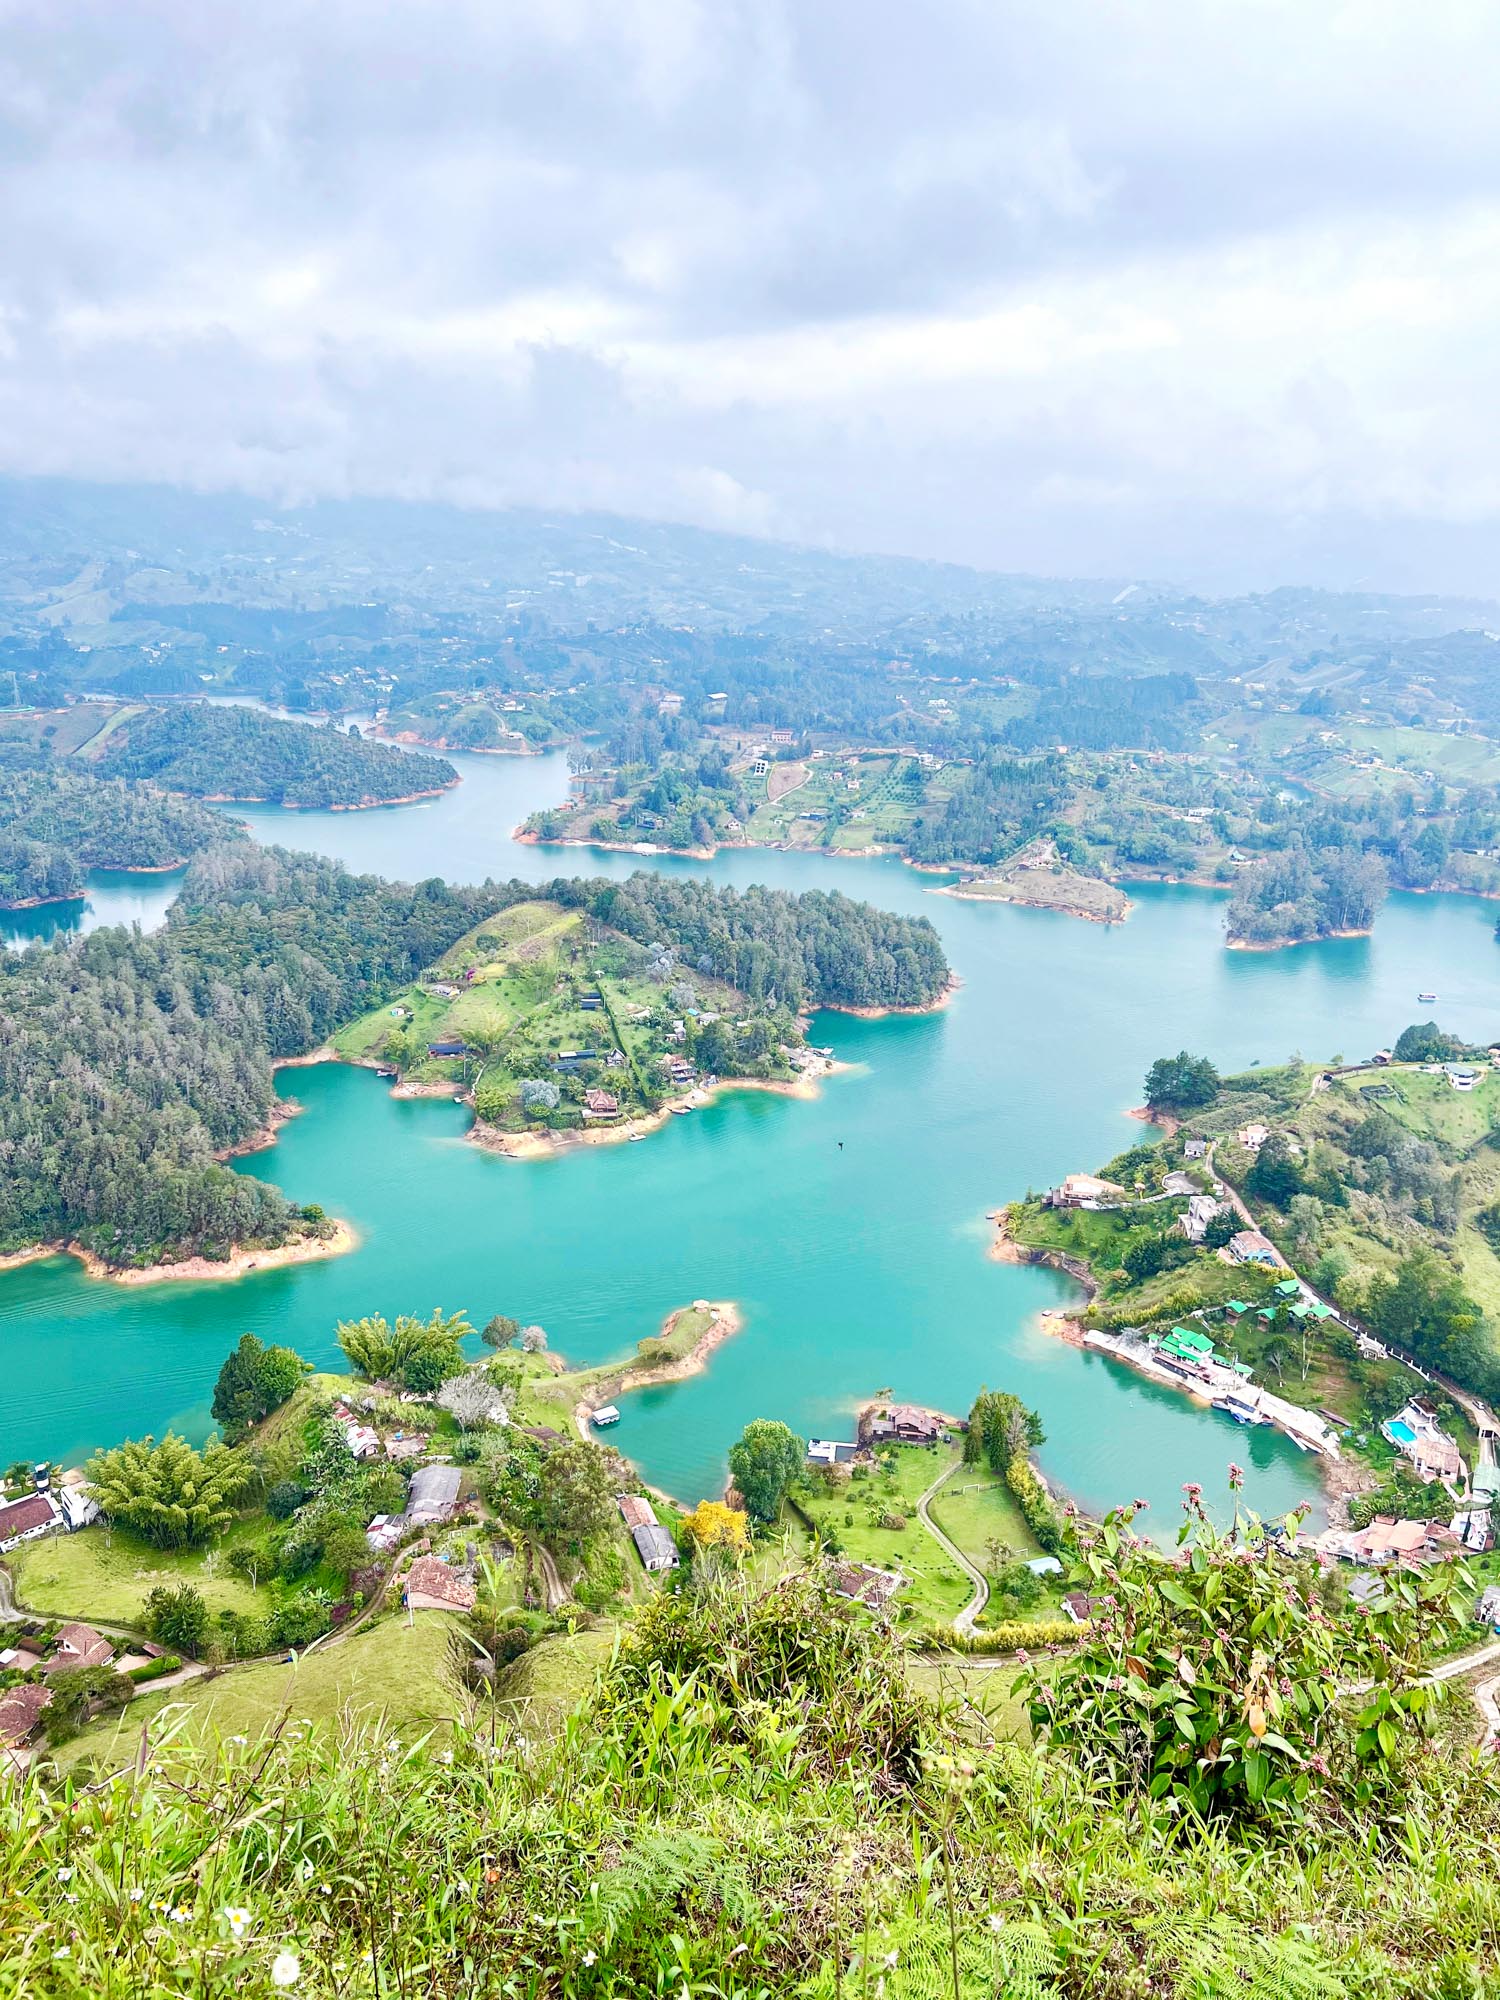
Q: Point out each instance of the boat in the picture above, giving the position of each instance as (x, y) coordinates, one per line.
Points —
(681, 1110)
(601, 1419)
(1427, 996)
(1236, 1406)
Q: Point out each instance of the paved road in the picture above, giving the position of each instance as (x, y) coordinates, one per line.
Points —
(963, 1624)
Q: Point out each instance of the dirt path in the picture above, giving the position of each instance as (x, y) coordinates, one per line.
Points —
(963, 1624)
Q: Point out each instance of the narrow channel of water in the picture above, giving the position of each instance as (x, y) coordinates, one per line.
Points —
(850, 1230)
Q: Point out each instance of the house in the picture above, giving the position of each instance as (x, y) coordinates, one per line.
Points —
(1079, 1190)
(27, 1519)
(79, 1646)
(1248, 1246)
(1080, 1607)
(600, 1104)
(406, 1445)
(604, 1416)
(1387, 1540)
(1252, 1137)
(1462, 1077)
(447, 1048)
(1195, 1149)
(1201, 1210)
(432, 1495)
(830, 1451)
(22, 1659)
(1415, 1432)
(20, 1712)
(1487, 1610)
(78, 1508)
(906, 1423)
(862, 1583)
(433, 1585)
(362, 1440)
(385, 1531)
(656, 1548)
(1178, 1182)
(636, 1511)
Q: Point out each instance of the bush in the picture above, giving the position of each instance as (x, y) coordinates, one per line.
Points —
(155, 1670)
(177, 1616)
(1009, 1635)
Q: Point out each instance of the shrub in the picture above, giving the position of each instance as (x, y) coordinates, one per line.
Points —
(155, 1670)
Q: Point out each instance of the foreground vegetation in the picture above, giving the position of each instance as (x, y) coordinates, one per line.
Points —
(753, 1798)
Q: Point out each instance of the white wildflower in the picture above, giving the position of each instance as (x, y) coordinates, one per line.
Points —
(63, 1951)
(181, 1915)
(238, 1919)
(64, 1874)
(286, 1969)
(589, 1957)
(137, 1895)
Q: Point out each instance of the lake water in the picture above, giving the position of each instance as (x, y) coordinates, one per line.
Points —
(857, 1266)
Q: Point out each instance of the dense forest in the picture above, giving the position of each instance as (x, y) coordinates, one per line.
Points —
(127, 1062)
(1001, 803)
(1307, 893)
(239, 753)
(56, 821)
(812, 950)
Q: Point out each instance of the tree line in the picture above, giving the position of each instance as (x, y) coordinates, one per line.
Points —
(55, 822)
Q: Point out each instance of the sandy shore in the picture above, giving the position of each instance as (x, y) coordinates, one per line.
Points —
(962, 894)
(546, 1145)
(297, 805)
(525, 839)
(1165, 1121)
(727, 1322)
(306, 1250)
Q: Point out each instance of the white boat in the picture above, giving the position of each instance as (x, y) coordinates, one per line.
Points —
(601, 1419)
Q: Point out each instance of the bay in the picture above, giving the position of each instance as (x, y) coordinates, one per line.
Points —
(858, 1265)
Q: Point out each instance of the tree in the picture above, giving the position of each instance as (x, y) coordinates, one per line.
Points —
(253, 1381)
(472, 1401)
(1220, 1228)
(177, 1616)
(764, 1462)
(419, 1354)
(169, 1494)
(500, 1331)
(1275, 1175)
(345, 1549)
(533, 1340)
(1425, 1041)
(284, 1498)
(712, 1525)
(1181, 1082)
(539, 1094)
(77, 1693)
(576, 1492)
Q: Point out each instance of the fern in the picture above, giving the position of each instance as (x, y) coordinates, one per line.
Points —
(1218, 1957)
(658, 1871)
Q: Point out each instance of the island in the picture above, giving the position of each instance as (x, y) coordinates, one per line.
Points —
(56, 821)
(588, 1007)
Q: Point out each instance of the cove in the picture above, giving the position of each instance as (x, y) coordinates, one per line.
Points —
(855, 1269)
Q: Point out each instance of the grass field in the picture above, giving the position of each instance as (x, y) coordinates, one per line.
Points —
(936, 1588)
(391, 1669)
(975, 1508)
(540, 1688)
(108, 1575)
(1431, 1108)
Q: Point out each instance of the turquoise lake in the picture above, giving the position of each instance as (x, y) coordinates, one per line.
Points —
(856, 1267)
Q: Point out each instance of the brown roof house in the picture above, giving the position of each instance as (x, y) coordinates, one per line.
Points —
(867, 1585)
(635, 1511)
(433, 1585)
(79, 1646)
(20, 1712)
(23, 1520)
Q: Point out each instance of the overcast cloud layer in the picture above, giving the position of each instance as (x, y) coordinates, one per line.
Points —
(1194, 288)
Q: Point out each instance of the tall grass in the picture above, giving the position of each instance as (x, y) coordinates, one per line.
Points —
(751, 1802)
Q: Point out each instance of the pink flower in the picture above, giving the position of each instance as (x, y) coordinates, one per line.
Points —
(1236, 1476)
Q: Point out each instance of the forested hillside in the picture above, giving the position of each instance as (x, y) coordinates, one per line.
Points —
(56, 821)
(128, 1062)
(812, 950)
(240, 753)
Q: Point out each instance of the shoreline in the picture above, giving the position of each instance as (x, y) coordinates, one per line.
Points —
(933, 1006)
(297, 805)
(238, 1264)
(962, 894)
(546, 1145)
(1285, 944)
(727, 1321)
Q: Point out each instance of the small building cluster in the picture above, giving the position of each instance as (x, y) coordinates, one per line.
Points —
(49, 1510)
(1427, 1447)
(73, 1645)
(653, 1542)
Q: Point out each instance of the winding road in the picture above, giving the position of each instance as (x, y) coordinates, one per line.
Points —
(963, 1624)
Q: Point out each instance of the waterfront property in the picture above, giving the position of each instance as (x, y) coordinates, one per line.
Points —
(1417, 1435)
(636, 1511)
(655, 1546)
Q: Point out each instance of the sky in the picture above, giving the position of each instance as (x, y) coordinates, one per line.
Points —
(1196, 289)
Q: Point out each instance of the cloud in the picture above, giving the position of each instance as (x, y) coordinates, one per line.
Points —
(1199, 287)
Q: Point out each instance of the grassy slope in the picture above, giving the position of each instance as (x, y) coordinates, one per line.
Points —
(389, 1669)
(108, 1576)
(937, 1588)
